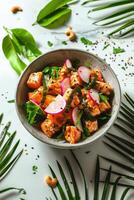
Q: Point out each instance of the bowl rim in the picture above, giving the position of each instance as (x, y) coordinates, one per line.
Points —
(68, 145)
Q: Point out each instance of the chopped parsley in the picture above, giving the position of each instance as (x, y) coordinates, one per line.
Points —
(34, 169)
(86, 41)
(106, 46)
(11, 101)
(50, 44)
(64, 42)
(118, 50)
(53, 71)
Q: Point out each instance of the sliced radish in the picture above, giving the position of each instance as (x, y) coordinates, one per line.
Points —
(77, 118)
(94, 95)
(84, 73)
(65, 84)
(56, 106)
(68, 64)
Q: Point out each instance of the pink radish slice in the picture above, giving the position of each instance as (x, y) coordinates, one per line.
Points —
(84, 73)
(68, 64)
(76, 120)
(94, 95)
(65, 84)
(56, 106)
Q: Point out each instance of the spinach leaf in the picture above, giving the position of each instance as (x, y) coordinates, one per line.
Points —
(34, 113)
(10, 53)
(54, 14)
(53, 71)
(103, 98)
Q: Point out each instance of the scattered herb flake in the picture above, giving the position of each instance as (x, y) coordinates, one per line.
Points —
(64, 42)
(87, 152)
(107, 45)
(86, 41)
(11, 101)
(118, 50)
(50, 44)
(35, 169)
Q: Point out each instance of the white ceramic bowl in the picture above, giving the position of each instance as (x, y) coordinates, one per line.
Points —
(58, 57)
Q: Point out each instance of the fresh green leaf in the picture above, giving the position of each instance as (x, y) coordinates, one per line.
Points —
(52, 6)
(33, 112)
(54, 14)
(29, 48)
(59, 18)
(10, 53)
(118, 50)
(86, 41)
(19, 42)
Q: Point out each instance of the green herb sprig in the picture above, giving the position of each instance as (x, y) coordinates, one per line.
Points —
(52, 71)
(33, 112)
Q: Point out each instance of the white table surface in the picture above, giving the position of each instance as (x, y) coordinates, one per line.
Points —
(22, 175)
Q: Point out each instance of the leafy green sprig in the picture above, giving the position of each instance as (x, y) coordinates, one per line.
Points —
(18, 44)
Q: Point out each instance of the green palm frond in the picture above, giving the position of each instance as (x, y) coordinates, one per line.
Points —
(122, 145)
(122, 17)
(106, 193)
(119, 144)
(65, 192)
(7, 153)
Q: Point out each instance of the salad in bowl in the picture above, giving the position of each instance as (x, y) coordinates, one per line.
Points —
(68, 98)
(68, 103)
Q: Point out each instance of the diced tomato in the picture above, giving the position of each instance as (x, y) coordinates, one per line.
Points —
(35, 80)
(36, 95)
